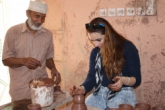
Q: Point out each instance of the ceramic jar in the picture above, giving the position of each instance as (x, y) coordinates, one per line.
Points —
(137, 109)
(125, 107)
(34, 106)
(143, 106)
(79, 102)
(113, 109)
(158, 108)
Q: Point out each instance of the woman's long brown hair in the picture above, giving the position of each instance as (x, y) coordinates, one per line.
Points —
(112, 49)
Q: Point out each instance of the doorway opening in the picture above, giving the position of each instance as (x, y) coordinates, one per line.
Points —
(12, 12)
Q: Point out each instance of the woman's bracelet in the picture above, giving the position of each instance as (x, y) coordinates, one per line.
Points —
(128, 81)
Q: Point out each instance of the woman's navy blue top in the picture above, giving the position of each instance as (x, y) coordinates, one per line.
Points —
(130, 68)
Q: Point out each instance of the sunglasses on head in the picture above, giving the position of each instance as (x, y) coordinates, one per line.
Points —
(94, 26)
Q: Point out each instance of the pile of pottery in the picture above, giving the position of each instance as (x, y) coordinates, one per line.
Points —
(138, 106)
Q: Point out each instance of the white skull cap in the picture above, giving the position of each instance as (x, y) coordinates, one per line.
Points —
(38, 6)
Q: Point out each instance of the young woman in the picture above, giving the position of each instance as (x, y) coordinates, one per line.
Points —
(114, 68)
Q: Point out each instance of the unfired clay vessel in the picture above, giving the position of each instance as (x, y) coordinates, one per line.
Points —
(34, 106)
(79, 102)
(158, 108)
(143, 106)
(137, 109)
(113, 109)
(125, 107)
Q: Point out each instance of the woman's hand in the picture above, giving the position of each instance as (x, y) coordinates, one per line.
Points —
(75, 90)
(117, 85)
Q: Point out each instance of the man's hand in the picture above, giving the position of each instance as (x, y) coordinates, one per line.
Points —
(56, 76)
(31, 63)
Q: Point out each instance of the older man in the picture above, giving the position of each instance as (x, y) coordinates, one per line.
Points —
(28, 50)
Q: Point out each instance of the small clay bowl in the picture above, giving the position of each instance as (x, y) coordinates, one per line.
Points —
(137, 109)
(113, 109)
(34, 106)
(125, 107)
(143, 106)
(158, 107)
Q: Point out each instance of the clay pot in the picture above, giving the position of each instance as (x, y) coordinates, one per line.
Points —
(143, 106)
(158, 108)
(79, 102)
(113, 109)
(79, 98)
(137, 109)
(34, 106)
(79, 107)
(125, 107)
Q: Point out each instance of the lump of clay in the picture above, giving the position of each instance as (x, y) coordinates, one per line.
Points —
(41, 82)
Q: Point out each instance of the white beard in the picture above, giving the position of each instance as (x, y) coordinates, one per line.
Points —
(32, 26)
